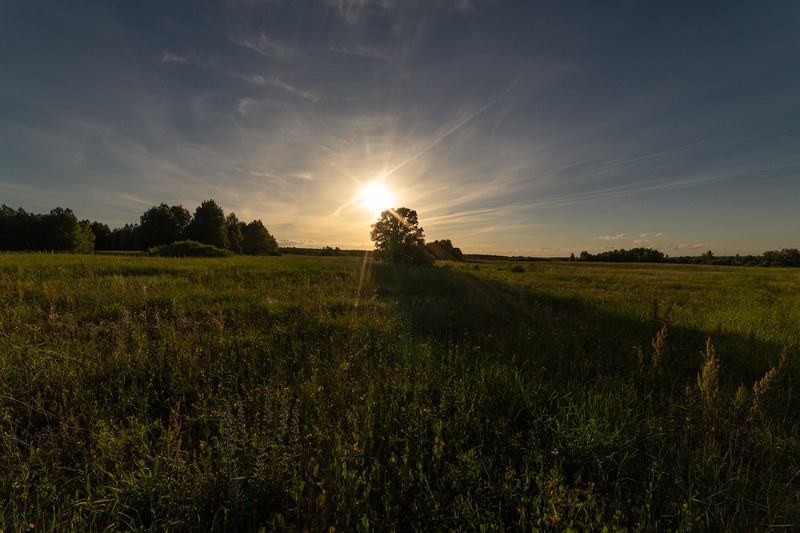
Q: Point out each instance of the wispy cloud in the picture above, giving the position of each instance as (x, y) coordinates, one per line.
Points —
(512, 135)
(610, 237)
(351, 10)
(169, 57)
(690, 247)
(273, 81)
(256, 79)
(254, 2)
(447, 130)
(668, 183)
(303, 176)
(267, 47)
(647, 238)
(370, 52)
(261, 174)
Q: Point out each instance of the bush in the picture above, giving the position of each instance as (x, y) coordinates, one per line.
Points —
(189, 249)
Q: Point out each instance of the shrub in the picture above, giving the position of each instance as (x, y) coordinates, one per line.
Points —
(189, 249)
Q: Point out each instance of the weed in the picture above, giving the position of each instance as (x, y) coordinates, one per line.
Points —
(245, 393)
(708, 377)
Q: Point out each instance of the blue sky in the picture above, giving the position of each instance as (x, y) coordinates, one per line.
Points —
(516, 127)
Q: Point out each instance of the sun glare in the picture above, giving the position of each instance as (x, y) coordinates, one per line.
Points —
(376, 197)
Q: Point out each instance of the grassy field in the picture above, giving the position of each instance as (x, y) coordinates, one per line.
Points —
(337, 394)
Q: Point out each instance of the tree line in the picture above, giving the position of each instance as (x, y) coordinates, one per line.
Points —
(58, 230)
(787, 257)
(161, 225)
(636, 255)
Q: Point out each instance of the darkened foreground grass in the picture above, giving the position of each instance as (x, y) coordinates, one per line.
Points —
(308, 393)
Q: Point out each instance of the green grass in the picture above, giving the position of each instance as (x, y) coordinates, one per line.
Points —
(306, 393)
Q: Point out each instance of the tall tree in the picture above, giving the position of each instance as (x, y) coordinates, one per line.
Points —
(208, 225)
(398, 237)
(102, 236)
(86, 238)
(61, 230)
(234, 233)
(256, 240)
(163, 224)
(124, 238)
(10, 228)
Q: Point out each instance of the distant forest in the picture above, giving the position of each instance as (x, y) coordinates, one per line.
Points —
(788, 257)
(60, 230)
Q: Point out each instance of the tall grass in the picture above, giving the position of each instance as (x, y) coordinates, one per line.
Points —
(309, 393)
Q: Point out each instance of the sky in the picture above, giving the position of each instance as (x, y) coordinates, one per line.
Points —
(515, 127)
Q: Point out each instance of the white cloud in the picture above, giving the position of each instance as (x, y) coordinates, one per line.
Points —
(610, 237)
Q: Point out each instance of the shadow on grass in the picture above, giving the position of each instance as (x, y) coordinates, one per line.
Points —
(561, 334)
(654, 436)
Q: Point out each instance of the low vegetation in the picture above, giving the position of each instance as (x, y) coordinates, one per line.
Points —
(309, 393)
(189, 248)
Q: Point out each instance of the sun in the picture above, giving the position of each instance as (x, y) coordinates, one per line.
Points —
(376, 197)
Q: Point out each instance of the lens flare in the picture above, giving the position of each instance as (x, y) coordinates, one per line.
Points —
(376, 197)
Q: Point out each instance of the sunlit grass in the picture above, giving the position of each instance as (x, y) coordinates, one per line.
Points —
(240, 393)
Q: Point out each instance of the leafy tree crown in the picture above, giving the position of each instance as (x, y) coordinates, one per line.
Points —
(399, 238)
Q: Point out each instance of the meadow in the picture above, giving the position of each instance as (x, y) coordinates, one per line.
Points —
(340, 394)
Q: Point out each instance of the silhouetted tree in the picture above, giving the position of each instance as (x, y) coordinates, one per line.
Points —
(61, 230)
(208, 225)
(444, 249)
(399, 239)
(124, 238)
(256, 240)
(788, 257)
(635, 255)
(102, 236)
(234, 233)
(10, 227)
(163, 225)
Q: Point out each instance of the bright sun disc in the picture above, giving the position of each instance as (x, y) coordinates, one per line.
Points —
(376, 197)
